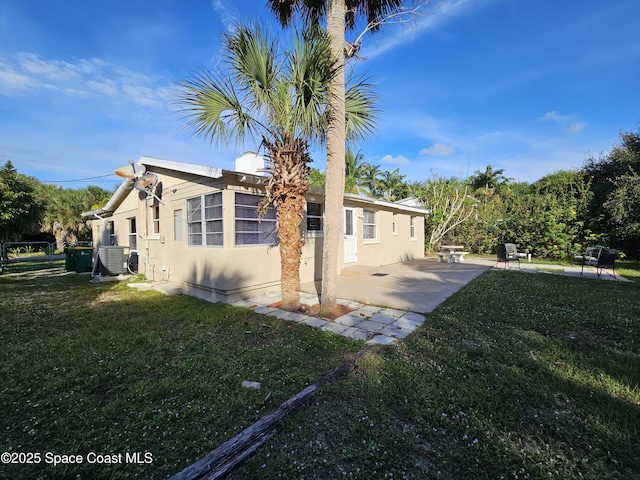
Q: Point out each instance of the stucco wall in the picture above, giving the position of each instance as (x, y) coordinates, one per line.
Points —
(230, 271)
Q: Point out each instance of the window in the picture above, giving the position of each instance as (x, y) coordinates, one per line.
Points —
(412, 227)
(393, 224)
(369, 225)
(314, 217)
(112, 240)
(250, 230)
(155, 223)
(133, 237)
(177, 225)
(204, 220)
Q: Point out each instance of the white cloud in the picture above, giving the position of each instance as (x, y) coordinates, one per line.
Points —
(27, 74)
(52, 70)
(12, 81)
(227, 16)
(564, 121)
(576, 127)
(554, 116)
(105, 87)
(429, 19)
(438, 150)
(398, 160)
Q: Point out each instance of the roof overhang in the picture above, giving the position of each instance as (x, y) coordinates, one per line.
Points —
(113, 203)
(193, 169)
(151, 164)
(385, 204)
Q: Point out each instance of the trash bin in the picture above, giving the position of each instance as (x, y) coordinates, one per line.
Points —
(69, 260)
(83, 256)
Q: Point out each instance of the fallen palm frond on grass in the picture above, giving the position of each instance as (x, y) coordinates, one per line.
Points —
(119, 376)
(515, 376)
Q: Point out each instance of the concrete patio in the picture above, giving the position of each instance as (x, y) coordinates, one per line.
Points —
(391, 301)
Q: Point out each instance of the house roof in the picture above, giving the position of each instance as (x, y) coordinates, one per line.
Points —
(200, 170)
(385, 203)
(203, 171)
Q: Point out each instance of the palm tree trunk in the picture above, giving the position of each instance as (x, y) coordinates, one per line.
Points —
(287, 163)
(336, 138)
(290, 214)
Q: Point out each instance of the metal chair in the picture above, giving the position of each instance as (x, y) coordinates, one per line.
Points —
(507, 252)
(598, 257)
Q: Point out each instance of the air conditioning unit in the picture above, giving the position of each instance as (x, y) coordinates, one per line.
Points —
(113, 260)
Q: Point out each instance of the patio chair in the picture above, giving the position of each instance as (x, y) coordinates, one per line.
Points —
(598, 257)
(507, 252)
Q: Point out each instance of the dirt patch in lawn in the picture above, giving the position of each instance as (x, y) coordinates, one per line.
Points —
(315, 311)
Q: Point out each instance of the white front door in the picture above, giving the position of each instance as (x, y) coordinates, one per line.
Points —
(350, 238)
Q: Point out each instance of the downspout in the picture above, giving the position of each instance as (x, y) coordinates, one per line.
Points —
(147, 263)
(95, 256)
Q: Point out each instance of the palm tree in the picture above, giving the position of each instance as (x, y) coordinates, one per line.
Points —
(371, 179)
(393, 186)
(353, 170)
(340, 15)
(62, 217)
(282, 100)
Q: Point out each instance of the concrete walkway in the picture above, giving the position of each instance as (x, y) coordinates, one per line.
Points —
(375, 324)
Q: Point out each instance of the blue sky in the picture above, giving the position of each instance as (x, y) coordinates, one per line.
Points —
(528, 87)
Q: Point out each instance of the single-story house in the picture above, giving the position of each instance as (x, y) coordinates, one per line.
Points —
(196, 226)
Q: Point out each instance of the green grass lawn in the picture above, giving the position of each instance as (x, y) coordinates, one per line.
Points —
(516, 376)
(108, 370)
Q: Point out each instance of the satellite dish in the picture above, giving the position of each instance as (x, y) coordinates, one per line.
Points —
(130, 171)
(146, 183)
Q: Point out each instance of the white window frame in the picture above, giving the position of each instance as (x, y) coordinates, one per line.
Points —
(205, 218)
(368, 225)
(412, 227)
(111, 228)
(155, 220)
(249, 230)
(133, 233)
(177, 225)
(320, 218)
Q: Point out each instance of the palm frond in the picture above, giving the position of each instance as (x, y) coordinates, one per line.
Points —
(310, 70)
(214, 110)
(361, 109)
(253, 58)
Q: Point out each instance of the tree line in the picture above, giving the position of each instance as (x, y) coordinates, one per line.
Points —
(35, 211)
(556, 216)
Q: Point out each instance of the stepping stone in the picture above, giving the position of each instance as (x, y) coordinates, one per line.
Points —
(396, 332)
(408, 323)
(335, 327)
(365, 311)
(381, 340)
(314, 322)
(283, 314)
(297, 317)
(355, 333)
(265, 310)
(382, 318)
(414, 317)
(392, 312)
(370, 326)
(348, 320)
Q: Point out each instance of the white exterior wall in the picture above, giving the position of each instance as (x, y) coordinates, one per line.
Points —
(231, 272)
